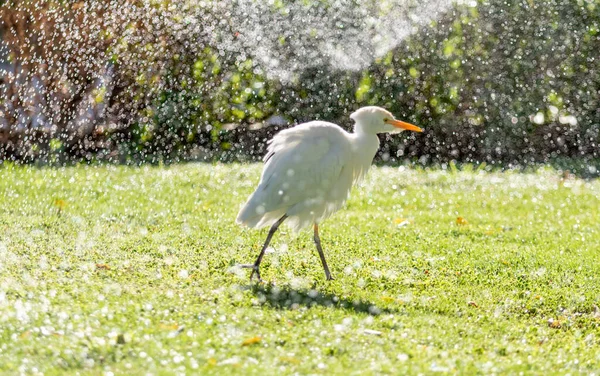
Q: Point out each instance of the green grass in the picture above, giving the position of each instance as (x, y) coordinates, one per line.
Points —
(132, 270)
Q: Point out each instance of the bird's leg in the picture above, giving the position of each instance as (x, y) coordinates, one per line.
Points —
(256, 264)
(321, 254)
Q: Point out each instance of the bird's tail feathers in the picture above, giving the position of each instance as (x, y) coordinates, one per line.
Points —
(259, 220)
(254, 213)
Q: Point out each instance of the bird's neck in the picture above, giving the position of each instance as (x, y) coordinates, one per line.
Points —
(366, 144)
(365, 147)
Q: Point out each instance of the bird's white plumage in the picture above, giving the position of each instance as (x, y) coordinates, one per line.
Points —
(306, 176)
(310, 169)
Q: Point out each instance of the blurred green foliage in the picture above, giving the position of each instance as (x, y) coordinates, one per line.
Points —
(476, 79)
(496, 82)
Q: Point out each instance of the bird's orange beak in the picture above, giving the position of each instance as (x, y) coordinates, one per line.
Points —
(403, 125)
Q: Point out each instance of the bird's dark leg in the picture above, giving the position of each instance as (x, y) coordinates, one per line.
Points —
(321, 254)
(256, 264)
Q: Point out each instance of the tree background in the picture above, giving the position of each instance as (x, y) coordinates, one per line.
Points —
(505, 83)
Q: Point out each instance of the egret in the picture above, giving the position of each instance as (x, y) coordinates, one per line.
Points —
(309, 171)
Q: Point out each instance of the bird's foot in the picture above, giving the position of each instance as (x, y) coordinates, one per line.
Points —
(254, 271)
(329, 277)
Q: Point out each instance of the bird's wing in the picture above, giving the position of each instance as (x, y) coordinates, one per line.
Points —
(303, 162)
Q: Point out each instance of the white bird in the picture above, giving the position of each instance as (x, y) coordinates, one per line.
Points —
(309, 171)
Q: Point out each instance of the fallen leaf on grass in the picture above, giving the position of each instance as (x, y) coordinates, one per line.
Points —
(373, 332)
(169, 326)
(251, 341)
(60, 203)
(102, 267)
(289, 359)
(175, 333)
(235, 361)
(554, 324)
(461, 221)
(473, 304)
(401, 222)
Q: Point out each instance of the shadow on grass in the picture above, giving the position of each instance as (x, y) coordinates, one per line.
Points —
(286, 297)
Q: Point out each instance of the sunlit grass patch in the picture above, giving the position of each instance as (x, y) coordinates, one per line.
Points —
(119, 269)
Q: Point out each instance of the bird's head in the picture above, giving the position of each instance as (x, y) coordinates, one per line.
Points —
(373, 119)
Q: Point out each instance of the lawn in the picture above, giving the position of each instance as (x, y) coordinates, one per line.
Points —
(123, 270)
